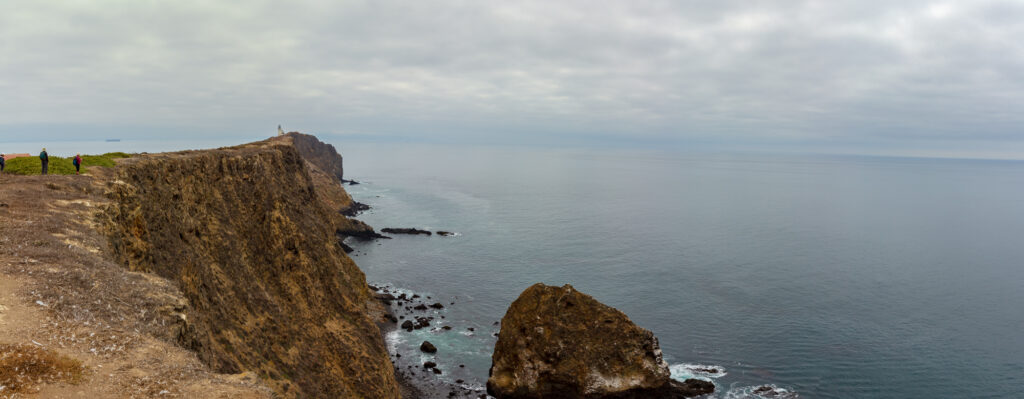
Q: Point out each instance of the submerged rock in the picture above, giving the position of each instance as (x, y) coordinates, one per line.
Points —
(393, 230)
(559, 342)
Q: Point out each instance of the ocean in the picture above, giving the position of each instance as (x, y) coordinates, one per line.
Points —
(820, 276)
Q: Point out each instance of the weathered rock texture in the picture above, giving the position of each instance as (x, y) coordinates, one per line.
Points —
(321, 154)
(556, 342)
(249, 238)
(324, 165)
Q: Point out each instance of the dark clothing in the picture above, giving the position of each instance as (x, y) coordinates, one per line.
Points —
(2, 164)
(78, 163)
(45, 158)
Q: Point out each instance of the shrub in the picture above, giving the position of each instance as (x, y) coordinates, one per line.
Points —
(24, 366)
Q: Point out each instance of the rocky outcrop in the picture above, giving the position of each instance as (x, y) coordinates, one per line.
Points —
(248, 236)
(556, 342)
(404, 230)
(325, 170)
(318, 153)
(355, 209)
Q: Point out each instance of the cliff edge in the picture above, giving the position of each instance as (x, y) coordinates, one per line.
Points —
(249, 234)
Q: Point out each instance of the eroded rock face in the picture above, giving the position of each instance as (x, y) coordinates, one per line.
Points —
(556, 342)
(325, 169)
(321, 154)
(245, 234)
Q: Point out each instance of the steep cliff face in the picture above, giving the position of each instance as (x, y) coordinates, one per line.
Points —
(247, 236)
(321, 154)
(325, 169)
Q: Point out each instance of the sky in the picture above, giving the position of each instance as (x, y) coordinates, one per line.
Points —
(920, 78)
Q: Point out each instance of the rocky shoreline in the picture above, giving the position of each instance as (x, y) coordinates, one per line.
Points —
(235, 258)
(408, 312)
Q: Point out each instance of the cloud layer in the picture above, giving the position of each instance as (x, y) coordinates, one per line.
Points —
(912, 76)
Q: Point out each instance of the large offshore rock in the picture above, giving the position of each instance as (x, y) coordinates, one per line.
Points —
(556, 342)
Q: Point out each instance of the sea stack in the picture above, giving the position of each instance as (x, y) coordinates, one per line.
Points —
(559, 342)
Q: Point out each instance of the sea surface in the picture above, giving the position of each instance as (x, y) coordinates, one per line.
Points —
(821, 276)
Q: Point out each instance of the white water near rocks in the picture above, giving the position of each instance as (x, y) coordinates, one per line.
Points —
(827, 277)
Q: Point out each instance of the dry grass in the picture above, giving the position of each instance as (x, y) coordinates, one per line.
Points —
(23, 367)
(121, 321)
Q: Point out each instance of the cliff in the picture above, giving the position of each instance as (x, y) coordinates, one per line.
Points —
(325, 169)
(249, 234)
(318, 153)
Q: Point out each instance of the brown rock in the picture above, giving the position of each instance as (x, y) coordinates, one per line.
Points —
(404, 230)
(558, 342)
(318, 153)
(248, 235)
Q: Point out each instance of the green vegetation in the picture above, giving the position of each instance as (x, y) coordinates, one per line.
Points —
(60, 165)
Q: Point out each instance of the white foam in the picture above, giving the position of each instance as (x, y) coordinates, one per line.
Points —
(749, 393)
(393, 339)
(683, 371)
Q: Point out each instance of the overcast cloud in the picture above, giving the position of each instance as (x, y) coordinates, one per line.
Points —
(908, 77)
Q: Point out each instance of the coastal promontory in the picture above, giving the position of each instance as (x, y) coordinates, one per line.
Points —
(249, 234)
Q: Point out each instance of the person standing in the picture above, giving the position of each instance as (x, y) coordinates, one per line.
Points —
(78, 162)
(2, 164)
(45, 158)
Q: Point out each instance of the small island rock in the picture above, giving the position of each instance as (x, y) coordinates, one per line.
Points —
(559, 342)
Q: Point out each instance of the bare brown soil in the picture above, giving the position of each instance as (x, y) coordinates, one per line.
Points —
(60, 293)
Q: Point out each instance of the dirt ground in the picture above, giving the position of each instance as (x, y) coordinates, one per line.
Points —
(58, 291)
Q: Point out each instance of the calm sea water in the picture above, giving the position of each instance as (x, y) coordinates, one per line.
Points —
(831, 277)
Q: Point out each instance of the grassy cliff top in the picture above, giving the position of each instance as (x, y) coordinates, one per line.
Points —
(60, 165)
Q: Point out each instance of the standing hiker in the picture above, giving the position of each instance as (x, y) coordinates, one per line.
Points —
(78, 162)
(2, 163)
(45, 158)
